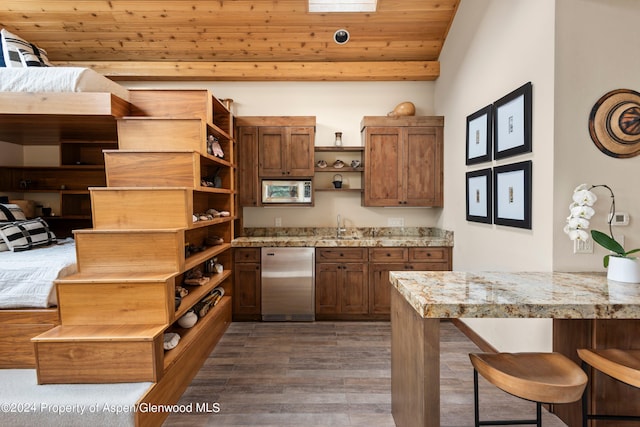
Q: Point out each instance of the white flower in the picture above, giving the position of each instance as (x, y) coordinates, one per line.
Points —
(578, 223)
(577, 234)
(584, 197)
(581, 211)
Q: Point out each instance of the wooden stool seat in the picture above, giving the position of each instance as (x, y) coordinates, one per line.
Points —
(539, 377)
(623, 365)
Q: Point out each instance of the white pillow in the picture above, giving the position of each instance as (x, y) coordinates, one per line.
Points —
(11, 212)
(24, 235)
(11, 46)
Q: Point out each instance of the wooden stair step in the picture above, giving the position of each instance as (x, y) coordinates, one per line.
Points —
(99, 354)
(116, 298)
(111, 251)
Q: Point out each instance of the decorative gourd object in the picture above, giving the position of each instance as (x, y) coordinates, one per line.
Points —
(403, 109)
(188, 320)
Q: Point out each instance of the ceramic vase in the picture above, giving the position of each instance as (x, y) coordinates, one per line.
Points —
(624, 269)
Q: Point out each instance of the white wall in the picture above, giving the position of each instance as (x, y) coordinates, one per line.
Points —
(493, 47)
(573, 51)
(597, 47)
(338, 107)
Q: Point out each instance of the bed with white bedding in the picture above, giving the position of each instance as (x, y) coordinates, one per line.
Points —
(44, 105)
(26, 278)
(58, 79)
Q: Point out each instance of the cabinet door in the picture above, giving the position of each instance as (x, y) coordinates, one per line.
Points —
(272, 151)
(247, 289)
(422, 170)
(300, 152)
(248, 184)
(383, 175)
(380, 287)
(327, 288)
(354, 289)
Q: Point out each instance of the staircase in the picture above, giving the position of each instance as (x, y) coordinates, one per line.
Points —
(147, 235)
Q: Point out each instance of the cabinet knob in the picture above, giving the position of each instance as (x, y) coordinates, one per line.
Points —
(257, 267)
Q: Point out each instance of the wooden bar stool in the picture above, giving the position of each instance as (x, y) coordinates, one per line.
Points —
(622, 365)
(538, 377)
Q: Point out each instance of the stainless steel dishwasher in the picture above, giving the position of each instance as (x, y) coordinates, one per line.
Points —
(288, 284)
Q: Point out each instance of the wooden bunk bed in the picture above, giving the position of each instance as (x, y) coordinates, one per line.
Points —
(43, 107)
(39, 118)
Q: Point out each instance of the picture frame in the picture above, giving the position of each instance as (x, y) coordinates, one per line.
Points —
(512, 194)
(479, 136)
(479, 191)
(512, 123)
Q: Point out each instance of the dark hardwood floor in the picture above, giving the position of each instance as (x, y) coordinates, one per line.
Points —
(327, 374)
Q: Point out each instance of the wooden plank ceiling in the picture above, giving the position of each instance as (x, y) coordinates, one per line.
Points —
(257, 40)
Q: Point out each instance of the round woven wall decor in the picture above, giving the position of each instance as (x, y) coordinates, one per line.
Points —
(614, 123)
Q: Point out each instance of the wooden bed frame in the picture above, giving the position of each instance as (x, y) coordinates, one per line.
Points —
(18, 327)
(32, 118)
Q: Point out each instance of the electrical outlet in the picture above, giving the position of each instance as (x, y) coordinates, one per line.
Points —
(583, 246)
(395, 222)
(278, 222)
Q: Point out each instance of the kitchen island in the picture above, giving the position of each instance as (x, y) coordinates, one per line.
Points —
(588, 310)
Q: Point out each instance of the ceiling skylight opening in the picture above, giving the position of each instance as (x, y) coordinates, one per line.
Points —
(328, 6)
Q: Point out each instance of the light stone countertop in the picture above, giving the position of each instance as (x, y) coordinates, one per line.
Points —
(454, 294)
(353, 237)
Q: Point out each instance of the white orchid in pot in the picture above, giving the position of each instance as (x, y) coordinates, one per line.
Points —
(621, 266)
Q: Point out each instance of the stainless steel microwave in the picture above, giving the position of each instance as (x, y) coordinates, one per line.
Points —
(276, 191)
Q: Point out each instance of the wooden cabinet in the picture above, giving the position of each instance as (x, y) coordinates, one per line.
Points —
(248, 182)
(247, 286)
(404, 159)
(285, 152)
(384, 260)
(353, 283)
(341, 282)
(272, 147)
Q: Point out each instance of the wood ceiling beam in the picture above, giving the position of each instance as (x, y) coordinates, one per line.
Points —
(264, 71)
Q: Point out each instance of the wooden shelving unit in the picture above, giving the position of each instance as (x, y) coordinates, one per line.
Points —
(143, 243)
(346, 169)
(81, 166)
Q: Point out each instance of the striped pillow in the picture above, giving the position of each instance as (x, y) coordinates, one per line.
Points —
(11, 46)
(24, 235)
(11, 212)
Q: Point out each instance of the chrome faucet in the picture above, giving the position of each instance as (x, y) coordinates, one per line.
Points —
(339, 230)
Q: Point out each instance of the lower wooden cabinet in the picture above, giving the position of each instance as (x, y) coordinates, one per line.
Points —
(247, 292)
(384, 260)
(341, 288)
(350, 284)
(341, 282)
(353, 283)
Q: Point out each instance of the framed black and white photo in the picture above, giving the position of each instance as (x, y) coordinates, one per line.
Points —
(512, 123)
(512, 195)
(479, 196)
(479, 135)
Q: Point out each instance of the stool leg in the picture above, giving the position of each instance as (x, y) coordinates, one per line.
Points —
(538, 414)
(476, 400)
(585, 397)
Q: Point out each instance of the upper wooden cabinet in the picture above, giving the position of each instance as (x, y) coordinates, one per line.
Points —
(248, 183)
(285, 151)
(404, 158)
(281, 146)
